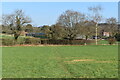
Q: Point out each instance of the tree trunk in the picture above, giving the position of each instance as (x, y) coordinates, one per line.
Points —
(16, 35)
(86, 37)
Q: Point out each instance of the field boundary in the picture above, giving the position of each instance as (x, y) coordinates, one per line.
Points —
(53, 45)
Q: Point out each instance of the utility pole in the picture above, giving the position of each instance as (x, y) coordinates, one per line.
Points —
(96, 18)
(96, 34)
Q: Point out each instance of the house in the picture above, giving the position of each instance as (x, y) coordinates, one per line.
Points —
(107, 34)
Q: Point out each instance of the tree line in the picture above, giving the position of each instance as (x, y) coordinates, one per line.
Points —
(70, 25)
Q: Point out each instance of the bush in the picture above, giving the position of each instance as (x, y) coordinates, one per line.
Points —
(104, 37)
(20, 40)
(57, 42)
(11, 42)
(8, 42)
(117, 36)
(78, 42)
(89, 41)
(44, 41)
(35, 41)
(111, 41)
(65, 42)
(0, 42)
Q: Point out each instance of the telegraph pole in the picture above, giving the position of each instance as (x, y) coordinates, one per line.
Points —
(96, 34)
(97, 18)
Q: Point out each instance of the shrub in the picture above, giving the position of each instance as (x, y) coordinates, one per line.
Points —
(61, 42)
(78, 42)
(70, 42)
(21, 40)
(8, 42)
(117, 36)
(89, 41)
(32, 41)
(44, 41)
(0, 42)
(111, 41)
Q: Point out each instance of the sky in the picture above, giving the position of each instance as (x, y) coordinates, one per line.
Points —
(47, 13)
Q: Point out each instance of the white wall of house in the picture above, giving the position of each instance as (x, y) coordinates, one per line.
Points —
(107, 34)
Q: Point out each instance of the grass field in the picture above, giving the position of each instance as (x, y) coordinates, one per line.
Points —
(61, 62)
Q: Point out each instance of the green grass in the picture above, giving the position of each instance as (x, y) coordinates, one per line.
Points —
(60, 62)
(3, 36)
(103, 42)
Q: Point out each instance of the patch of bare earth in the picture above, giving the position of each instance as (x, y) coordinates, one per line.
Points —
(88, 60)
(71, 57)
(78, 60)
(83, 60)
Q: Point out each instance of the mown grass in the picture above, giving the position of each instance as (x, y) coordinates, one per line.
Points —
(61, 62)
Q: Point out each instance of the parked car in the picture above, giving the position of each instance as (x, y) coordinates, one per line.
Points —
(94, 37)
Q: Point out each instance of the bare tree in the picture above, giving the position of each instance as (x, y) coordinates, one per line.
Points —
(88, 29)
(96, 17)
(16, 21)
(69, 19)
(57, 31)
(112, 25)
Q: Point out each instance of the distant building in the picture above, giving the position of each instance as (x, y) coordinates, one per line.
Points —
(78, 36)
(37, 35)
(107, 34)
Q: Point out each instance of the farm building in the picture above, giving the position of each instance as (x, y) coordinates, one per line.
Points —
(38, 35)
